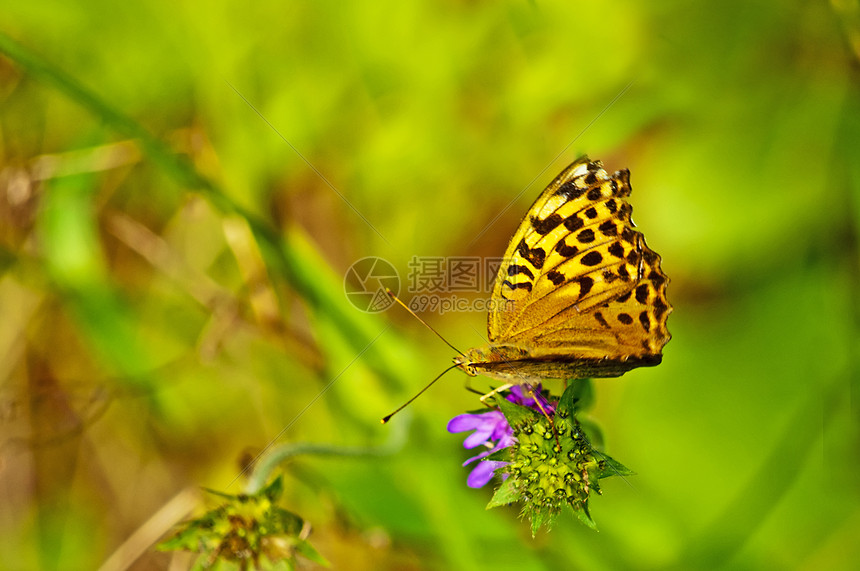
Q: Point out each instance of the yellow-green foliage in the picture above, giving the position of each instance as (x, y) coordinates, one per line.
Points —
(183, 186)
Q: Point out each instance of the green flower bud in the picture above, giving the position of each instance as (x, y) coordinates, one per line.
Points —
(553, 464)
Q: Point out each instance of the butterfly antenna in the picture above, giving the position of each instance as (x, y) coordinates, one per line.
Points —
(407, 403)
(427, 325)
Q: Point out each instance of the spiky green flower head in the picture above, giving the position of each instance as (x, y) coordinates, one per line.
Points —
(552, 463)
(246, 531)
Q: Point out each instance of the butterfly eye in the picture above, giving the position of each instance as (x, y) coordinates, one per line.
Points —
(466, 365)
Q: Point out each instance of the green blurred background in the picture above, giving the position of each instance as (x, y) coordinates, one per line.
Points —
(156, 329)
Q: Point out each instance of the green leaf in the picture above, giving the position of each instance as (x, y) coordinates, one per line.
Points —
(283, 521)
(610, 467)
(567, 404)
(481, 410)
(585, 517)
(189, 537)
(515, 414)
(541, 517)
(506, 494)
(537, 520)
(219, 494)
(308, 552)
(583, 394)
(274, 490)
(500, 455)
(593, 433)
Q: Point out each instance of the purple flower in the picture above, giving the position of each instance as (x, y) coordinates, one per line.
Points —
(488, 426)
(522, 395)
(491, 430)
(483, 472)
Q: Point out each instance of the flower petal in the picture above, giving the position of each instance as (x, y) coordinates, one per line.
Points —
(477, 438)
(483, 454)
(502, 431)
(463, 422)
(506, 440)
(483, 473)
(522, 394)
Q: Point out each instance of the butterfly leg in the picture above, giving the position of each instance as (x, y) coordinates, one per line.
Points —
(471, 389)
(494, 392)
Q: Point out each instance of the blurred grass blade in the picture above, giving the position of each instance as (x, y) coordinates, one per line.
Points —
(301, 265)
(66, 84)
(67, 229)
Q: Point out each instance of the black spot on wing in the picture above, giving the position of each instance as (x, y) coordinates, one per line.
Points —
(601, 320)
(565, 250)
(623, 177)
(585, 285)
(557, 278)
(573, 223)
(547, 225)
(514, 269)
(656, 278)
(642, 293)
(520, 285)
(608, 228)
(649, 256)
(570, 191)
(586, 236)
(592, 258)
(660, 308)
(535, 256)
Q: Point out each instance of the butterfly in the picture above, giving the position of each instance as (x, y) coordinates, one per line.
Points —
(579, 293)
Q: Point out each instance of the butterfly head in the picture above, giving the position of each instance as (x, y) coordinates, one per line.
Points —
(466, 364)
(466, 361)
(472, 361)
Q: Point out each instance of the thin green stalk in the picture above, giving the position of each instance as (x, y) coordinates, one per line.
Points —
(276, 455)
